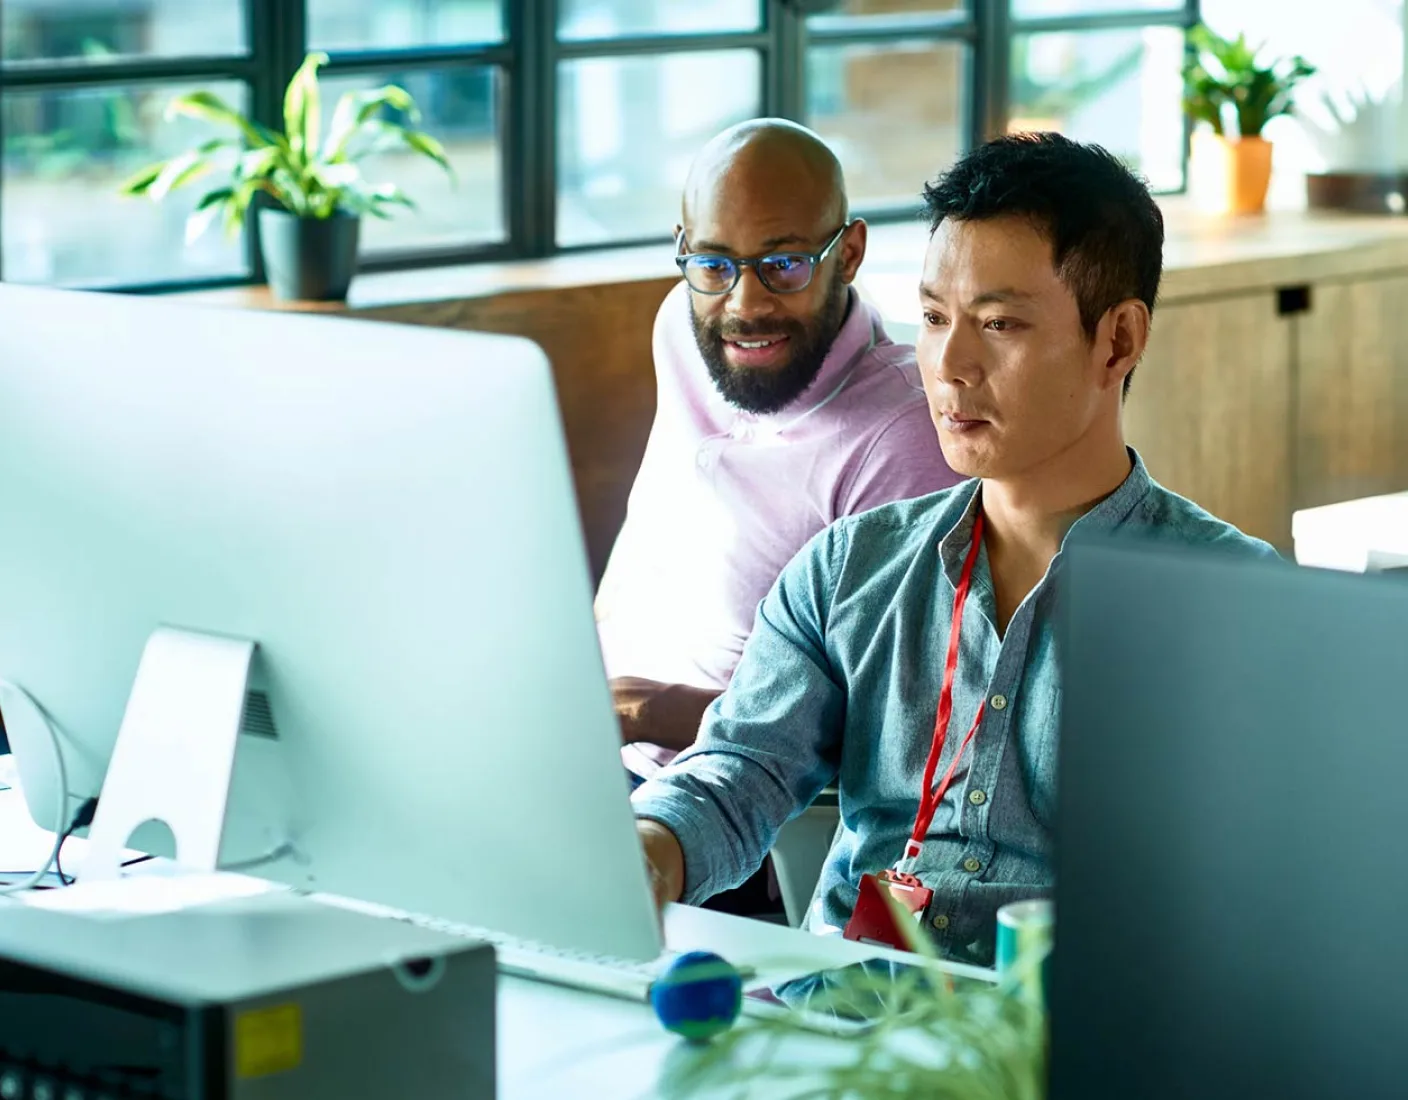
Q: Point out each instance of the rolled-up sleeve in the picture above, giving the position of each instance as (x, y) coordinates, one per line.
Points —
(770, 743)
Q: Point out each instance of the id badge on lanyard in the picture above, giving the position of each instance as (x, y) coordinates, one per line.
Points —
(888, 901)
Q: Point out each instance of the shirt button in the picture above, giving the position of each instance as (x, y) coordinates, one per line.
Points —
(999, 702)
(940, 922)
(972, 866)
(978, 797)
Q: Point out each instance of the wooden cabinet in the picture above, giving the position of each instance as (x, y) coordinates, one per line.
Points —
(1254, 413)
(1208, 409)
(1351, 425)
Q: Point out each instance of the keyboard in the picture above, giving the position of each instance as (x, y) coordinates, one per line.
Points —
(617, 977)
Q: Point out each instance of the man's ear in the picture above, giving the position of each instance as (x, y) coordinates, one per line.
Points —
(1124, 334)
(852, 249)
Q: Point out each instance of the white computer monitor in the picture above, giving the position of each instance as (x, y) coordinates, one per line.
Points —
(388, 512)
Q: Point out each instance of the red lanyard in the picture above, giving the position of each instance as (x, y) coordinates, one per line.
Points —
(931, 796)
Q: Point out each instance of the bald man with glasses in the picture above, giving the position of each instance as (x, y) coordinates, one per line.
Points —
(781, 406)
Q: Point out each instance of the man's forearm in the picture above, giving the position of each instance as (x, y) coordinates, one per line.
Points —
(681, 711)
(667, 715)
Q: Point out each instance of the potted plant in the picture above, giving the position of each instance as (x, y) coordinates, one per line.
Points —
(1223, 78)
(306, 185)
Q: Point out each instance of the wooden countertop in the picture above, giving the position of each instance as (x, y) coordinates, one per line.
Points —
(1204, 256)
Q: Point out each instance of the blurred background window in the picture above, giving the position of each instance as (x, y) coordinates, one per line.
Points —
(568, 132)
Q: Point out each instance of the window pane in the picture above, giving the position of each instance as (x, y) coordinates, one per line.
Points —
(582, 19)
(629, 128)
(459, 108)
(66, 153)
(46, 30)
(1037, 9)
(392, 24)
(890, 138)
(1119, 88)
(857, 11)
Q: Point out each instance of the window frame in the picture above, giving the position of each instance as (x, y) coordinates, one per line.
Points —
(527, 61)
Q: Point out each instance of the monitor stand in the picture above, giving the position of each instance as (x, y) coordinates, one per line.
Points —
(175, 751)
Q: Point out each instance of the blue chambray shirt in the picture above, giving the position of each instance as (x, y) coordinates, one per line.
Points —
(839, 683)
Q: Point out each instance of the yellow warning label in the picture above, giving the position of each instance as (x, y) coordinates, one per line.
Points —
(268, 1040)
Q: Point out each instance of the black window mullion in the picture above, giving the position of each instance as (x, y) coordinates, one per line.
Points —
(442, 256)
(65, 75)
(530, 141)
(1106, 21)
(1193, 12)
(433, 57)
(785, 62)
(989, 80)
(653, 44)
(278, 39)
(955, 25)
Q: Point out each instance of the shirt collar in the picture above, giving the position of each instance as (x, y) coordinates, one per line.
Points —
(1109, 514)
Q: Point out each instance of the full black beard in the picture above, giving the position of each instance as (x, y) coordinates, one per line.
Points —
(756, 390)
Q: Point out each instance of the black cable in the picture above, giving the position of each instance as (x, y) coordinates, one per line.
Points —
(83, 817)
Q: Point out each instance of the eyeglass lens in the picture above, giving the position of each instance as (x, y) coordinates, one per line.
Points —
(784, 273)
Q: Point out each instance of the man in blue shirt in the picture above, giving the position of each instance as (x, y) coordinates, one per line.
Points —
(1038, 287)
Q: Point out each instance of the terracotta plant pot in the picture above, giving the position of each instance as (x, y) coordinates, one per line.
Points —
(1231, 176)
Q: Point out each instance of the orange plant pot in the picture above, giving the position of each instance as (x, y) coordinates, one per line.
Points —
(1233, 175)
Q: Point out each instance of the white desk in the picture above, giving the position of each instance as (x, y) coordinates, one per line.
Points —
(1358, 535)
(562, 1042)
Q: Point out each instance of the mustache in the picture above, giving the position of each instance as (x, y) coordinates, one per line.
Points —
(748, 330)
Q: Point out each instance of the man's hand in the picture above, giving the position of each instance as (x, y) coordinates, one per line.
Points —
(667, 715)
(665, 859)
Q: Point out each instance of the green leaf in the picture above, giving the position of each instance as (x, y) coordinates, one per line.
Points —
(184, 168)
(388, 194)
(258, 163)
(209, 107)
(356, 109)
(1224, 71)
(234, 219)
(427, 146)
(290, 191)
(302, 120)
(139, 183)
(237, 207)
(335, 177)
(211, 198)
(205, 215)
(375, 136)
(396, 199)
(361, 199)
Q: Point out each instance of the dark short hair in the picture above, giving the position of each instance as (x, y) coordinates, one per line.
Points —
(1106, 231)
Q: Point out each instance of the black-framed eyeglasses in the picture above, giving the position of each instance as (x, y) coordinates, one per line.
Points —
(780, 272)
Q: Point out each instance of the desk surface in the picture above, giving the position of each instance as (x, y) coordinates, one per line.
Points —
(555, 1041)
